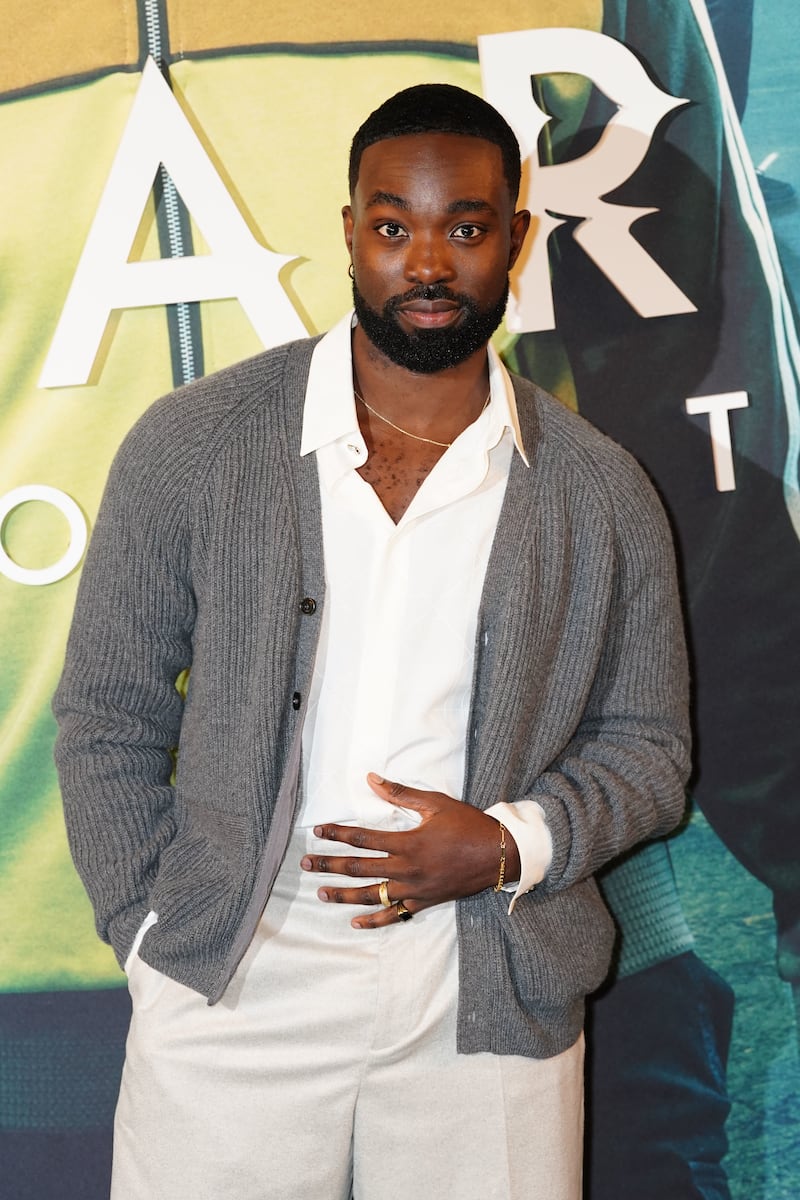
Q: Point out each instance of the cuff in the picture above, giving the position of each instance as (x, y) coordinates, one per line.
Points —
(148, 923)
(525, 821)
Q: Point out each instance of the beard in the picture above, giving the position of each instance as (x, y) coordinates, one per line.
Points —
(427, 351)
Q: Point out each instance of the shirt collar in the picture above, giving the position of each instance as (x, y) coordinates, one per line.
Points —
(329, 414)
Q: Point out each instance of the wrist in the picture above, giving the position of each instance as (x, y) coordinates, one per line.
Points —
(501, 870)
(513, 863)
(507, 864)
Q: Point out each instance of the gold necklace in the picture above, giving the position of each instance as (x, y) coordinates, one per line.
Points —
(405, 432)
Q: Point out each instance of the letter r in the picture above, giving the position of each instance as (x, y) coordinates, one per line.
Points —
(576, 188)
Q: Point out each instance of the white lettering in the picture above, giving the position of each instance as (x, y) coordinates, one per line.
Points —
(576, 188)
(77, 534)
(719, 423)
(237, 265)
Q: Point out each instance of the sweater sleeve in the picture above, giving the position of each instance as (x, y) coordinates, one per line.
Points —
(117, 704)
(621, 777)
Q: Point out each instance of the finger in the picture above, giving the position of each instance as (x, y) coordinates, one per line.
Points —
(400, 794)
(355, 835)
(351, 895)
(387, 916)
(359, 866)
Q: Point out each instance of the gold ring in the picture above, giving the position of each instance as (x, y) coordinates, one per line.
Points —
(402, 911)
(383, 892)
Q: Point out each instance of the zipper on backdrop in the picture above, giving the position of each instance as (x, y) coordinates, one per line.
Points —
(172, 222)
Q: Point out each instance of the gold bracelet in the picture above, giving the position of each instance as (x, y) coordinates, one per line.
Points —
(501, 878)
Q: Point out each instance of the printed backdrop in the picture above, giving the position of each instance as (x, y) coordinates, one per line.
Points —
(172, 181)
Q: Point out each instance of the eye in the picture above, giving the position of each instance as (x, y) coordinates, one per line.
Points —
(467, 232)
(390, 229)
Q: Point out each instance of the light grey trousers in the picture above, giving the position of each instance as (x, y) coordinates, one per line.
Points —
(330, 1066)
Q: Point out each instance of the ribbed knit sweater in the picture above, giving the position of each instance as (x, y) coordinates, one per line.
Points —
(207, 544)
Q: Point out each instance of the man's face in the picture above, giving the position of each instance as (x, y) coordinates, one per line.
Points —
(432, 234)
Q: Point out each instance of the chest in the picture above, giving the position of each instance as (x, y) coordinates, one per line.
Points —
(396, 469)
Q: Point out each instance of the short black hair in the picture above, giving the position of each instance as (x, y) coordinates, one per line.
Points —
(438, 108)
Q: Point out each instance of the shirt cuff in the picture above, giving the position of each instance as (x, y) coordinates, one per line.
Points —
(150, 920)
(525, 821)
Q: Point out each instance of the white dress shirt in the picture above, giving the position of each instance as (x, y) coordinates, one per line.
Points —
(393, 673)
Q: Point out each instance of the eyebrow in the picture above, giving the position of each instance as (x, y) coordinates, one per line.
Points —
(475, 205)
(468, 206)
(387, 198)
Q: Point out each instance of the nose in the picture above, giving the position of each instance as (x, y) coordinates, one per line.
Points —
(429, 260)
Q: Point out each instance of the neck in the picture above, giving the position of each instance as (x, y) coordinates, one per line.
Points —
(439, 405)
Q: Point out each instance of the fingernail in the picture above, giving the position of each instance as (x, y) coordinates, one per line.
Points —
(375, 778)
(305, 863)
(323, 895)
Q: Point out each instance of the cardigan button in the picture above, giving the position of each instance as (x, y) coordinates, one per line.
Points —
(308, 606)
(296, 698)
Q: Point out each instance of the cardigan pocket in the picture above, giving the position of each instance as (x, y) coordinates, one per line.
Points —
(560, 945)
(194, 881)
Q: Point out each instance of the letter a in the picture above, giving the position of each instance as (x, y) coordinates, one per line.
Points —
(237, 265)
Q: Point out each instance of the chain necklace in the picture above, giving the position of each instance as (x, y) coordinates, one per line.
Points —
(405, 432)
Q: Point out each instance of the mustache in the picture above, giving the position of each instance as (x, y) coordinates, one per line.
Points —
(428, 291)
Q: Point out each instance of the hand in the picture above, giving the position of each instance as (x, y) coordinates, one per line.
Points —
(453, 852)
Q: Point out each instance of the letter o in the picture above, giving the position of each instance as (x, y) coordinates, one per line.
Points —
(77, 534)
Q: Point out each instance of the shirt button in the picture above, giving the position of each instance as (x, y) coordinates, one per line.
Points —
(296, 701)
(353, 449)
(308, 606)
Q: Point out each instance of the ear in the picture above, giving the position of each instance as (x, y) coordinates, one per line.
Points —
(347, 221)
(520, 223)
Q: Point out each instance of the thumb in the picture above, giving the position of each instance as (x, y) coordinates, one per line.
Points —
(399, 793)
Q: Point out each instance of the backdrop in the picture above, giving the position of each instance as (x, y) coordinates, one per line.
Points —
(172, 181)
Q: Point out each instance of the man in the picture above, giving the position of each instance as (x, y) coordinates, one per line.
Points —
(437, 680)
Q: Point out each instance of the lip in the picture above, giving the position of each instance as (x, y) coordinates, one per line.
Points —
(430, 314)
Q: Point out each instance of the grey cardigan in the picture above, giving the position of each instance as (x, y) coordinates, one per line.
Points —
(206, 551)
